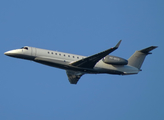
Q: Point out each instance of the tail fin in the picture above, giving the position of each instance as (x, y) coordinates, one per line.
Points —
(138, 57)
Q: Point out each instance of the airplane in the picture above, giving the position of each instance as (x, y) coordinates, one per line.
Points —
(77, 65)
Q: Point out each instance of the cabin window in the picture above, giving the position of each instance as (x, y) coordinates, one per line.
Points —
(73, 56)
(48, 52)
(64, 54)
(51, 52)
(55, 53)
(68, 55)
(60, 54)
(77, 57)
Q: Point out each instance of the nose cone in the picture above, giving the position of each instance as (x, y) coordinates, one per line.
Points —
(8, 53)
(13, 52)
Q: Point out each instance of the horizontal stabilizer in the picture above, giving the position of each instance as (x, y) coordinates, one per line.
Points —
(147, 50)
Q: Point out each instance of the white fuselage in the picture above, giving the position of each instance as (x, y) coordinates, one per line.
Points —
(63, 60)
(77, 65)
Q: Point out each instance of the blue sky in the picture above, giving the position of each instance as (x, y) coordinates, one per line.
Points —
(30, 90)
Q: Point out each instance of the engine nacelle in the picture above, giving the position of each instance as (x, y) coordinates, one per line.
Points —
(109, 59)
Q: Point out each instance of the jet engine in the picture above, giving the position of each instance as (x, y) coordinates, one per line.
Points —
(109, 59)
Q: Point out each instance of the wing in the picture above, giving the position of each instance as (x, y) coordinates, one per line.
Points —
(73, 76)
(89, 62)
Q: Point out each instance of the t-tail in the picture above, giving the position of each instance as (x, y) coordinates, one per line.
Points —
(137, 59)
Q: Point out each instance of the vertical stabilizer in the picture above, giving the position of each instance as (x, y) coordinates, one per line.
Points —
(138, 57)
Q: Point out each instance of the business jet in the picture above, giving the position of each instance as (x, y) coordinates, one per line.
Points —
(77, 65)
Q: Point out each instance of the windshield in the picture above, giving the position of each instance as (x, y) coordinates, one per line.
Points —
(25, 48)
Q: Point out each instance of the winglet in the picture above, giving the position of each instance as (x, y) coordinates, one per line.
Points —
(118, 44)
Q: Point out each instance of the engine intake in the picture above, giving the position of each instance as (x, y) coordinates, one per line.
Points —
(109, 59)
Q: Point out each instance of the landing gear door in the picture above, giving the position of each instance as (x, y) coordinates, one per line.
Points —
(33, 51)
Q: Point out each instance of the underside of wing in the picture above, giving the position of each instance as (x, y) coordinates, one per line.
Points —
(89, 62)
(73, 76)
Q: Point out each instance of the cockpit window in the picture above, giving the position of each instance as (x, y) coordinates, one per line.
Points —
(25, 48)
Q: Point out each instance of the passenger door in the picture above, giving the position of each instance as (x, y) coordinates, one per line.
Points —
(33, 51)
